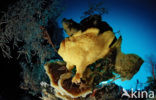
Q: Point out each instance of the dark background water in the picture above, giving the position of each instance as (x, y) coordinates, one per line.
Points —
(10, 71)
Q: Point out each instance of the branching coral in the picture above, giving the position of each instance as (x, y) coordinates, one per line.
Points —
(20, 31)
(153, 65)
(22, 22)
(95, 8)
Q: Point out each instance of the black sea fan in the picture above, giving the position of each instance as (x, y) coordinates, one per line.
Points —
(22, 38)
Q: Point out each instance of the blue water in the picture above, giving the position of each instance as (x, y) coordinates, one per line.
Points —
(136, 21)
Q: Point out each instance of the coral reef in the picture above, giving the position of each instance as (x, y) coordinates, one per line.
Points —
(22, 30)
(30, 36)
(61, 78)
(90, 58)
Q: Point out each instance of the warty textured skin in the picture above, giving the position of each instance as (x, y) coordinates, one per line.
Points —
(84, 48)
